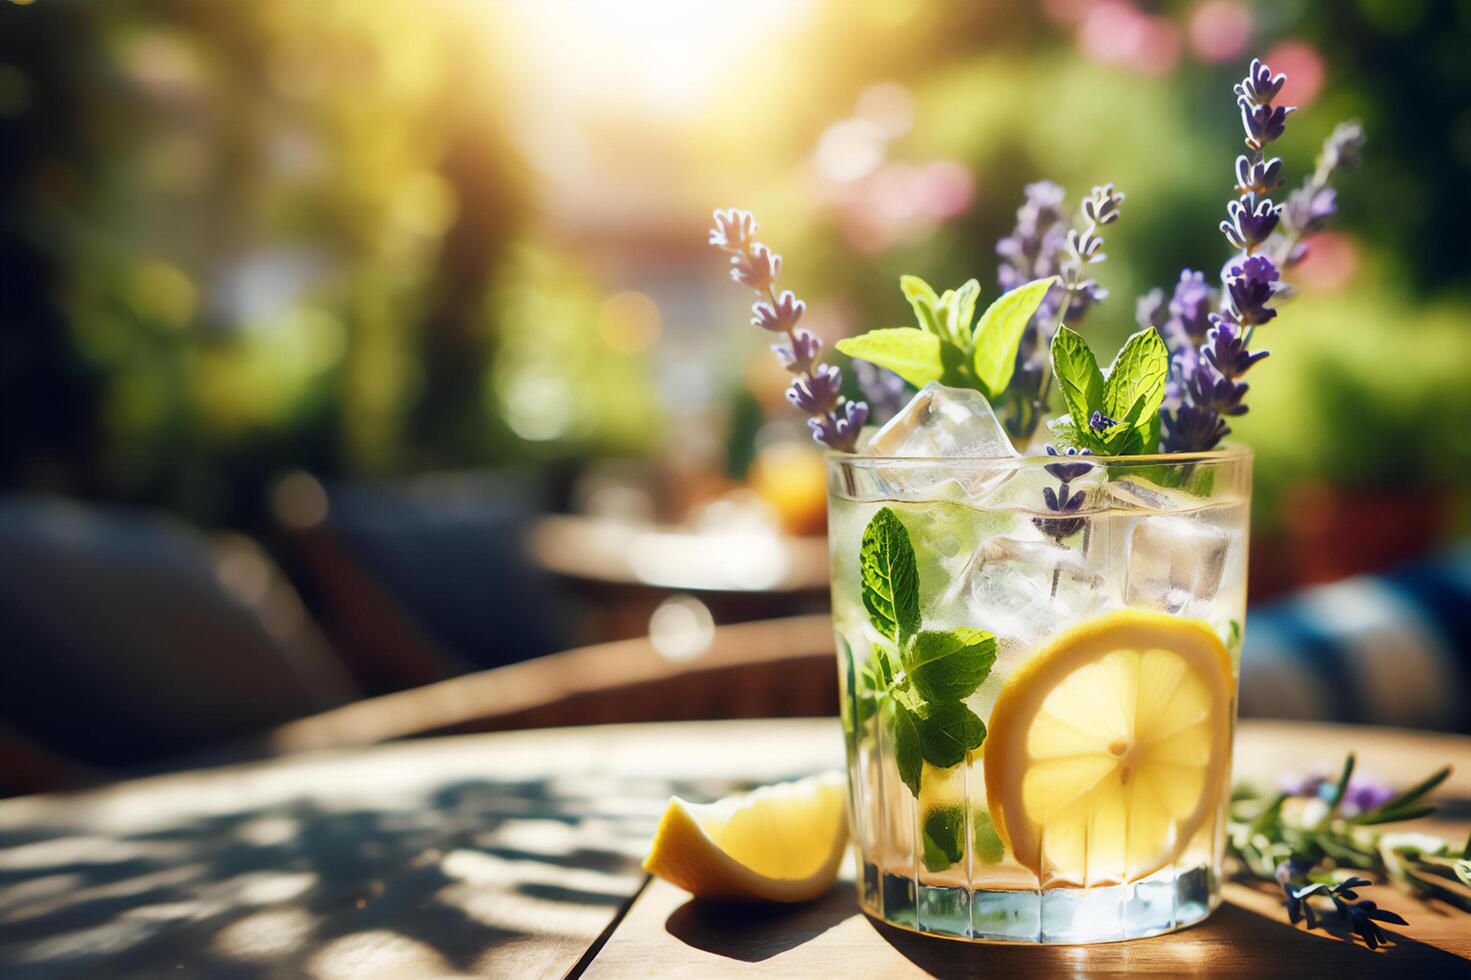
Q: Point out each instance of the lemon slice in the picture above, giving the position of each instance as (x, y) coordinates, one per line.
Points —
(1109, 749)
(782, 843)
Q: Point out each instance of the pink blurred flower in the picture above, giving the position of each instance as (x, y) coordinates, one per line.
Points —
(1304, 68)
(1331, 263)
(1116, 33)
(1220, 30)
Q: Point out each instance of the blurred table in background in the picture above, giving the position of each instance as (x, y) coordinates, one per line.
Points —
(517, 854)
(623, 572)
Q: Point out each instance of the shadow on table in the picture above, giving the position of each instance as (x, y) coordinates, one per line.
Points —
(753, 933)
(428, 884)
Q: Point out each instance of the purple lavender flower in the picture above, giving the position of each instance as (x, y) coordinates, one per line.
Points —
(1308, 209)
(1063, 500)
(1263, 123)
(780, 316)
(817, 388)
(1067, 472)
(816, 393)
(1250, 285)
(801, 353)
(757, 267)
(1249, 229)
(1260, 85)
(1190, 308)
(1225, 350)
(1258, 176)
(884, 390)
(839, 428)
(733, 230)
(1098, 422)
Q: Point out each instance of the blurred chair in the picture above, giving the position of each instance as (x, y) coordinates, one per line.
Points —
(128, 636)
(425, 579)
(1389, 650)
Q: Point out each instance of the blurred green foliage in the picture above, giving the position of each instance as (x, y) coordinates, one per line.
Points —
(242, 239)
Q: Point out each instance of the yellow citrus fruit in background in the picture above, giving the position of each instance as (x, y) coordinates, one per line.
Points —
(781, 843)
(1109, 749)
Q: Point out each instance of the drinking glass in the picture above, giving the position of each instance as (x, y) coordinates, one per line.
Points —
(1090, 803)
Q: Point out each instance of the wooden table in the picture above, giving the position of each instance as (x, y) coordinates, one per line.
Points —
(516, 855)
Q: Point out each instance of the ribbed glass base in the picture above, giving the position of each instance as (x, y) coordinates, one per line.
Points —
(1166, 900)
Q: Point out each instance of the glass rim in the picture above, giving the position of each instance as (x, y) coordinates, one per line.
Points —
(1225, 454)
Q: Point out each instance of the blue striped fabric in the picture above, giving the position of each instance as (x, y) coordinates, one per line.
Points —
(1388, 650)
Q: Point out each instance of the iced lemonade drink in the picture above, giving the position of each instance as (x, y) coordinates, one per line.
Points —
(1038, 663)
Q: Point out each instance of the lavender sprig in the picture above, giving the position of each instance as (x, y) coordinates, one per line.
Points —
(816, 390)
(1205, 386)
(1310, 206)
(1042, 245)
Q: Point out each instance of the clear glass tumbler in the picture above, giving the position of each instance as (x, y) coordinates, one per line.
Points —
(1038, 663)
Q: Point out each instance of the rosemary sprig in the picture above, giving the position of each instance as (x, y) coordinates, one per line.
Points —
(1320, 856)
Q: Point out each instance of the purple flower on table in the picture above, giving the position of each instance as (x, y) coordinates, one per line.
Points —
(1248, 228)
(781, 316)
(816, 393)
(1364, 795)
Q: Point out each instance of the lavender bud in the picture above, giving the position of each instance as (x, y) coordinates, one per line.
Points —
(839, 428)
(1260, 85)
(1342, 148)
(757, 267)
(1258, 176)
(1308, 210)
(802, 353)
(1250, 285)
(781, 317)
(1067, 472)
(733, 229)
(1248, 229)
(1149, 309)
(1226, 352)
(1263, 123)
(817, 392)
(1098, 422)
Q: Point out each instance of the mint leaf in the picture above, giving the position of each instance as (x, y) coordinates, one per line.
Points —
(907, 754)
(1135, 387)
(988, 846)
(1078, 378)
(922, 298)
(956, 312)
(950, 666)
(1000, 332)
(947, 731)
(943, 837)
(890, 577)
(914, 355)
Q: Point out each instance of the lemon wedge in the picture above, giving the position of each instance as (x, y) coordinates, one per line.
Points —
(1110, 748)
(781, 843)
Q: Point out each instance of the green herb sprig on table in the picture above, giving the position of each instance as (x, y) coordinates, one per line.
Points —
(1312, 847)
(917, 679)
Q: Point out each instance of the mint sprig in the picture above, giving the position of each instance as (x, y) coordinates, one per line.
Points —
(920, 685)
(1113, 413)
(945, 347)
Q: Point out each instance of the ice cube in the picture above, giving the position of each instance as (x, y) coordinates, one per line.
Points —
(941, 421)
(1174, 562)
(1026, 588)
